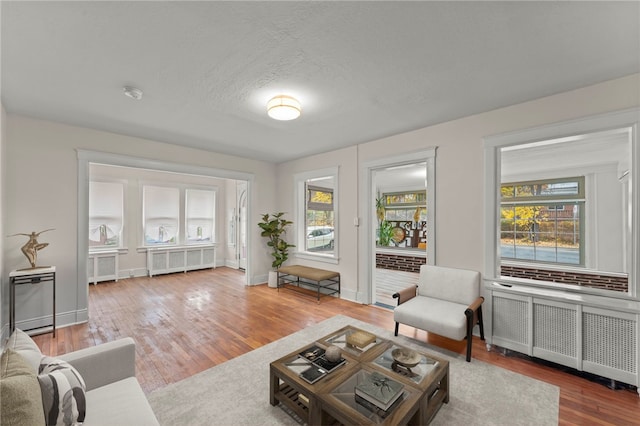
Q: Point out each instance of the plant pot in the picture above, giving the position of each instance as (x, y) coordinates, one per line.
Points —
(273, 279)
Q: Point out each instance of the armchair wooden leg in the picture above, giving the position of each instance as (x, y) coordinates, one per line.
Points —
(469, 314)
(480, 322)
(397, 325)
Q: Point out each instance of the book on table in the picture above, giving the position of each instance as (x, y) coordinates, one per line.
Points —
(379, 390)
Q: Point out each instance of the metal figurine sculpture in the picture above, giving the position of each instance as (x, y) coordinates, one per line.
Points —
(30, 249)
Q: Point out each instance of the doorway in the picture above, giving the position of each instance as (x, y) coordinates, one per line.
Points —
(400, 223)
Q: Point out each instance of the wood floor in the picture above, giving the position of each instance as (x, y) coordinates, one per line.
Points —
(186, 323)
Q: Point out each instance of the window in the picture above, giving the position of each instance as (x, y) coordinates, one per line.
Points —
(316, 230)
(534, 227)
(106, 211)
(319, 218)
(200, 215)
(161, 214)
(406, 206)
(561, 206)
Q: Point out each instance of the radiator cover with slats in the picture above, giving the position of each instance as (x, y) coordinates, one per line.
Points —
(510, 320)
(599, 341)
(610, 341)
(179, 259)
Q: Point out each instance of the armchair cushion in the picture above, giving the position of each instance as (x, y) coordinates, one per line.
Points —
(455, 285)
(436, 315)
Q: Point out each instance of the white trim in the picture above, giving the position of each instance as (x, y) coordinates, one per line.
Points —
(367, 197)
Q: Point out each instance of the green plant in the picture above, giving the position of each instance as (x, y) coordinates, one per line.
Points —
(274, 227)
(385, 232)
(380, 213)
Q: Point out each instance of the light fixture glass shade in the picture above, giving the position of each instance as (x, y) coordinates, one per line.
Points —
(284, 107)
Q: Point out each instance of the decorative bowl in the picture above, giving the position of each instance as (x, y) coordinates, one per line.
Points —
(406, 357)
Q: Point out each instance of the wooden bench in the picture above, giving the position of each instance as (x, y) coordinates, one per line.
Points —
(319, 279)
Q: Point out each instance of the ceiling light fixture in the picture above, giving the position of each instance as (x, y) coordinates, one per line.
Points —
(284, 107)
(132, 92)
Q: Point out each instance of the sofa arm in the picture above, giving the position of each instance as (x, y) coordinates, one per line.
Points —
(106, 363)
(405, 294)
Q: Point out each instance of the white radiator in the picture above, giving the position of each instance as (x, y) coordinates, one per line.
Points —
(102, 266)
(596, 340)
(165, 260)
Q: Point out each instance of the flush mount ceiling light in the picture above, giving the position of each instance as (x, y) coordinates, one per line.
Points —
(284, 107)
(132, 92)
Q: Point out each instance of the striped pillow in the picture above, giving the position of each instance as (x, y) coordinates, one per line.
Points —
(63, 392)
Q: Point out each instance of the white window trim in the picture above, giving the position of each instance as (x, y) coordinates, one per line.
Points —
(492, 145)
(299, 215)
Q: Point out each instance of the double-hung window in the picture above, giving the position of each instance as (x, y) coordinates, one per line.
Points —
(316, 214)
(199, 215)
(161, 214)
(106, 212)
(543, 221)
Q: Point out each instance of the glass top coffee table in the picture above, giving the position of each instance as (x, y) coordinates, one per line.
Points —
(332, 399)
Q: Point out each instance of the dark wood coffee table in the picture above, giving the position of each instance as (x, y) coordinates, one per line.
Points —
(332, 399)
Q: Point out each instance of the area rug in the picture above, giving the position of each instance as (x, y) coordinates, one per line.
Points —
(237, 391)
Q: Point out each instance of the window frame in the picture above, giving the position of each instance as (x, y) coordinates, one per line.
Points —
(178, 219)
(300, 201)
(625, 119)
(185, 223)
(121, 236)
(550, 202)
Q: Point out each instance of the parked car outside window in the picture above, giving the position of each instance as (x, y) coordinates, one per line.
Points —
(319, 238)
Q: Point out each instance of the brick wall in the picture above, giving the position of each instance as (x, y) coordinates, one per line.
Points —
(399, 263)
(607, 282)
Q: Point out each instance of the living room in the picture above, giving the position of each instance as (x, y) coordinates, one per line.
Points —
(45, 157)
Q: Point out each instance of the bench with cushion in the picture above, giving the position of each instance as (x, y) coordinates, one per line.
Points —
(318, 279)
(446, 301)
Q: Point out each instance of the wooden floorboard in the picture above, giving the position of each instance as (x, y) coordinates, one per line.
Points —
(187, 323)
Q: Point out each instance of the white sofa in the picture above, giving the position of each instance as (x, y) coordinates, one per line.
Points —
(446, 301)
(113, 395)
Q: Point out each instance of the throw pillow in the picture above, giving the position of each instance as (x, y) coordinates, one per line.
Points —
(20, 398)
(63, 392)
(23, 344)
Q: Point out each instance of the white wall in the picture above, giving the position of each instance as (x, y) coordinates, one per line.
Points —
(459, 172)
(41, 192)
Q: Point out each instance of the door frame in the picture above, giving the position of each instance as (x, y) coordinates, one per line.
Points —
(367, 262)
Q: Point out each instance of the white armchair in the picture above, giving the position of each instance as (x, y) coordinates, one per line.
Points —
(446, 301)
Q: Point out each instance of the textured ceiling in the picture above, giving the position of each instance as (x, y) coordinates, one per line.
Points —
(362, 70)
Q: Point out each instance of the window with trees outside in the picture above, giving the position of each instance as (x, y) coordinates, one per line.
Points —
(316, 212)
(319, 219)
(543, 221)
(106, 212)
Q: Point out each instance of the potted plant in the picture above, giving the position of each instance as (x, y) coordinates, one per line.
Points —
(274, 227)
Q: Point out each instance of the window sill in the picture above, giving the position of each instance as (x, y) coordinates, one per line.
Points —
(326, 258)
(106, 250)
(606, 300)
(144, 249)
(402, 251)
